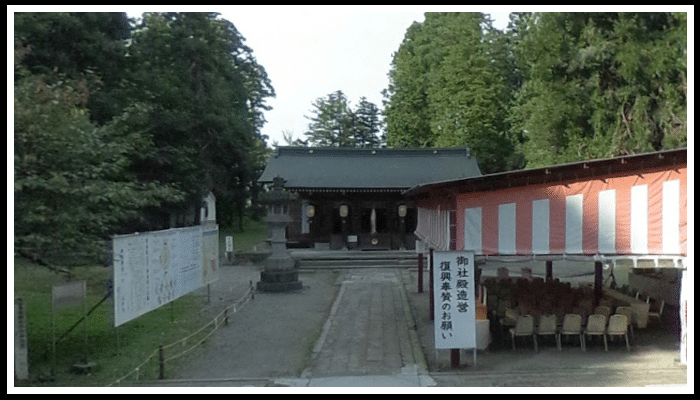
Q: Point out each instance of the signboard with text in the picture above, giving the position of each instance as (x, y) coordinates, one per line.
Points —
(454, 300)
(154, 268)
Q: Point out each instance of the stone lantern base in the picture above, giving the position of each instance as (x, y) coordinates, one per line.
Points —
(279, 281)
(279, 275)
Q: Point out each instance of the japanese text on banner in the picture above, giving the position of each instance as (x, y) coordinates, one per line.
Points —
(455, 306)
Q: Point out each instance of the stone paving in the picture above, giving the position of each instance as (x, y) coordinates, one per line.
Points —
(368, 331)
(368, 327)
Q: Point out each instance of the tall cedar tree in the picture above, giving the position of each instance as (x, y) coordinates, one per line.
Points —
(448, 88)
(600, 85)
(552, 88)
(335, 124)
(207, 94)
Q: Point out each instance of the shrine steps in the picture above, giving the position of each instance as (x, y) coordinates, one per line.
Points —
(335, 259)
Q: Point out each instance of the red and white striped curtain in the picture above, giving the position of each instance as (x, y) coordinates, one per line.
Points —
(639, 214)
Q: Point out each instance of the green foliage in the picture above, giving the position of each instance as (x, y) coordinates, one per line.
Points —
(335, 124)
(252, 233)
(207, 95)
(406, 109)
(79, 45)
(71, 185)
(448, 88)
(602, 85)
(115, 135)
(367, 125)
(552, 88)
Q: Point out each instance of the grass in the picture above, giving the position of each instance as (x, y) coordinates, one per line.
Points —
(254, 233)
(117, 351)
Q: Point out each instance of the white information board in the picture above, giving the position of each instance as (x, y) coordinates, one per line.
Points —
(210, 254)
(454, 300)
(154, 268)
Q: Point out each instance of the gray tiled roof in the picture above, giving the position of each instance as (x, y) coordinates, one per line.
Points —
(332, 167)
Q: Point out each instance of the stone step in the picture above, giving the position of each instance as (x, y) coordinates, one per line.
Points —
(356, 259)
(355, 264)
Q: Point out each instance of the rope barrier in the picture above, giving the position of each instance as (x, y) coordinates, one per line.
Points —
(236, 306)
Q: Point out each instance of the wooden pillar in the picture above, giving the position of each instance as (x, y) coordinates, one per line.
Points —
(420, 272)
(432, 291)
(598, 282)
(161, 362)
(454, 358)
(548, 271)
(454, 353)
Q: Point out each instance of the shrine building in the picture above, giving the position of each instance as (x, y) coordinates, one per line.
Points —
(631, 208)
(623, 220)
(352, 198)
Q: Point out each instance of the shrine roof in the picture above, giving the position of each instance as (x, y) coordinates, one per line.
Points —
(574, 171)
(368, 168)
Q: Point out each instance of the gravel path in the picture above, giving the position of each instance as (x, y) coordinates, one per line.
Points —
(270, 336)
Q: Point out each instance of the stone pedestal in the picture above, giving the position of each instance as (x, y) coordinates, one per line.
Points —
(280, 273)
(279, 281)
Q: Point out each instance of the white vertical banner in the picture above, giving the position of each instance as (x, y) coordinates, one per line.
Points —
(671, 214)
(574, 224)
(446, 218)
(305, 227)
(472, 229)
(506, 228)
(606, 221)
(455, 300)
(540, 226)
(639, 219)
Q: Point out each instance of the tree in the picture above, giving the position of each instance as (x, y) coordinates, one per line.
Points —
(552, 88)
(448, 88)
(86, 46)
(330, 123)
(72, 187)
(207, 94)
(335, 124)
(288, 137)
(366, 124)
(113, 136)
(406, 106)
(601, 85)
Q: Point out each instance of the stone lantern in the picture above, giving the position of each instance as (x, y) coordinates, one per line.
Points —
(279, 273)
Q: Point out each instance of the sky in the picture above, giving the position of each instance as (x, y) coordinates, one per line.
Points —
(309, 52)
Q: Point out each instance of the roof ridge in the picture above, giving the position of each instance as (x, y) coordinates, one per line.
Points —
(347, 151)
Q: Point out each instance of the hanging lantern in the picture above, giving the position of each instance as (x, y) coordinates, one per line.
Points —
(310, 211)
(344, 210)
(403, 210)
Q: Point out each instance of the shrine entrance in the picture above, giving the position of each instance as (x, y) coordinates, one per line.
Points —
(357, 222)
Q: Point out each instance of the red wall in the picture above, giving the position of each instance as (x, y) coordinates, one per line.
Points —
(586, 209)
